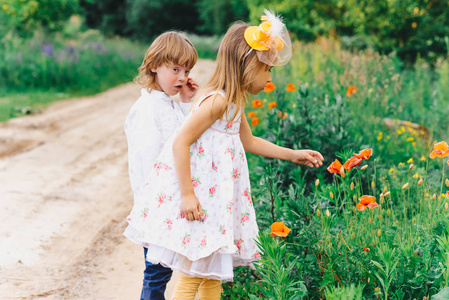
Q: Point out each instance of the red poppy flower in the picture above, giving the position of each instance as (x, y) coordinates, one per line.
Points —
(366, 249)
(360, 206)
(364, 154)
(372, 205)
(269, 87)
(440, 150)
(290, 88)
(257, 103)
(352, 162)
(351, 90)
(279, 229)
(255, 121)
(335, 167)
(251, 114)
(366, 199)
(272, 105)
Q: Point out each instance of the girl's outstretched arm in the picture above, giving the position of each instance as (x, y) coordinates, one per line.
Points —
(209, 111)
(263, 147)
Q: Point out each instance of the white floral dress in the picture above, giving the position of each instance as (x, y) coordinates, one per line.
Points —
(220, 179)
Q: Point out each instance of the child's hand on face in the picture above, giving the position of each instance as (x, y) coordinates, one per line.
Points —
(188, 90)
(309, 158)
(191, 208)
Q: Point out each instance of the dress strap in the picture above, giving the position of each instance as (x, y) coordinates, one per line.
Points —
(204, 97)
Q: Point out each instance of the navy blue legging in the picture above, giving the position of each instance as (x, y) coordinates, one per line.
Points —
(155, 278)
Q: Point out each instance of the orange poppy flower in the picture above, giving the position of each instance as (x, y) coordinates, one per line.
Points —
(352, 162)
(282, 115)
(447, 194)
(279, 229)
(366, 249)
(251, 114)
(335, 167)
(290, 88)
(372, 205)
(257, 103)
(366, 199)
(440, 150)
(272, 105)
(364, 154)
(351, 90)
(255, 121)
(360, 206)
(269, 87)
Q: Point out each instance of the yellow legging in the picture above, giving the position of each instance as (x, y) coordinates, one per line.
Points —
(186, 288)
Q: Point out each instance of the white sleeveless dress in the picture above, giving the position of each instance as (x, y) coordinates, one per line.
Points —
(220, 178)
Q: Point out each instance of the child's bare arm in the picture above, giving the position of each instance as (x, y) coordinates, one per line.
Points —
(199, 122)
(262, 147)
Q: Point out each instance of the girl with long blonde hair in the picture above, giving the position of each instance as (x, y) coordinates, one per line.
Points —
(197, 215)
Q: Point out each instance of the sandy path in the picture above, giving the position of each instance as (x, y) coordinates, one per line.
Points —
(64, 195)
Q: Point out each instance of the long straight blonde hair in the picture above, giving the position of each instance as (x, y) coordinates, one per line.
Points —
(237, 67)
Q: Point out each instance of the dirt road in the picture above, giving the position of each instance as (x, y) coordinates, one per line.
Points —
(64, 196)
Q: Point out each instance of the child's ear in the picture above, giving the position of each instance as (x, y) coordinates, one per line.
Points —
(154, 70)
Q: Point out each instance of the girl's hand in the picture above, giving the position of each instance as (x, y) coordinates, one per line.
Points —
(307, 157)
(191, 208)
(188, 90)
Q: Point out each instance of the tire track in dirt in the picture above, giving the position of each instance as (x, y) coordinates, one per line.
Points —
(64, 195)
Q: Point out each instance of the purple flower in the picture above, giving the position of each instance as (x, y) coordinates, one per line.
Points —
(47, 49)
(70, 49)
(100, 48)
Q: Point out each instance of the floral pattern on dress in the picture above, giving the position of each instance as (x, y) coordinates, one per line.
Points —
(201, 151)
(169, 224)
(203, 243)
(162, 198)
(185, 240)
(212, 191)
(220, 178)
(196, 182)
(247, 194)
(159, 166)
(245, 218)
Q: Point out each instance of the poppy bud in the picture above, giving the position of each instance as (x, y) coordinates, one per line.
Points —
(447, 182)
(434, 196)
(317, 182)
(388, 212)
(352, 186)
(385, 189)
(370, 220)
(373, 185)
(354, 209)
(411, 167)
(405, 186)
(387, 194)
(331, 195)
(446, 206)
(342, 172)
(318, 212)
(379, 233)
(414, 220)
(364, 167)
(328, 213)
(420, 182)
(354, 198)
(352, 235)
